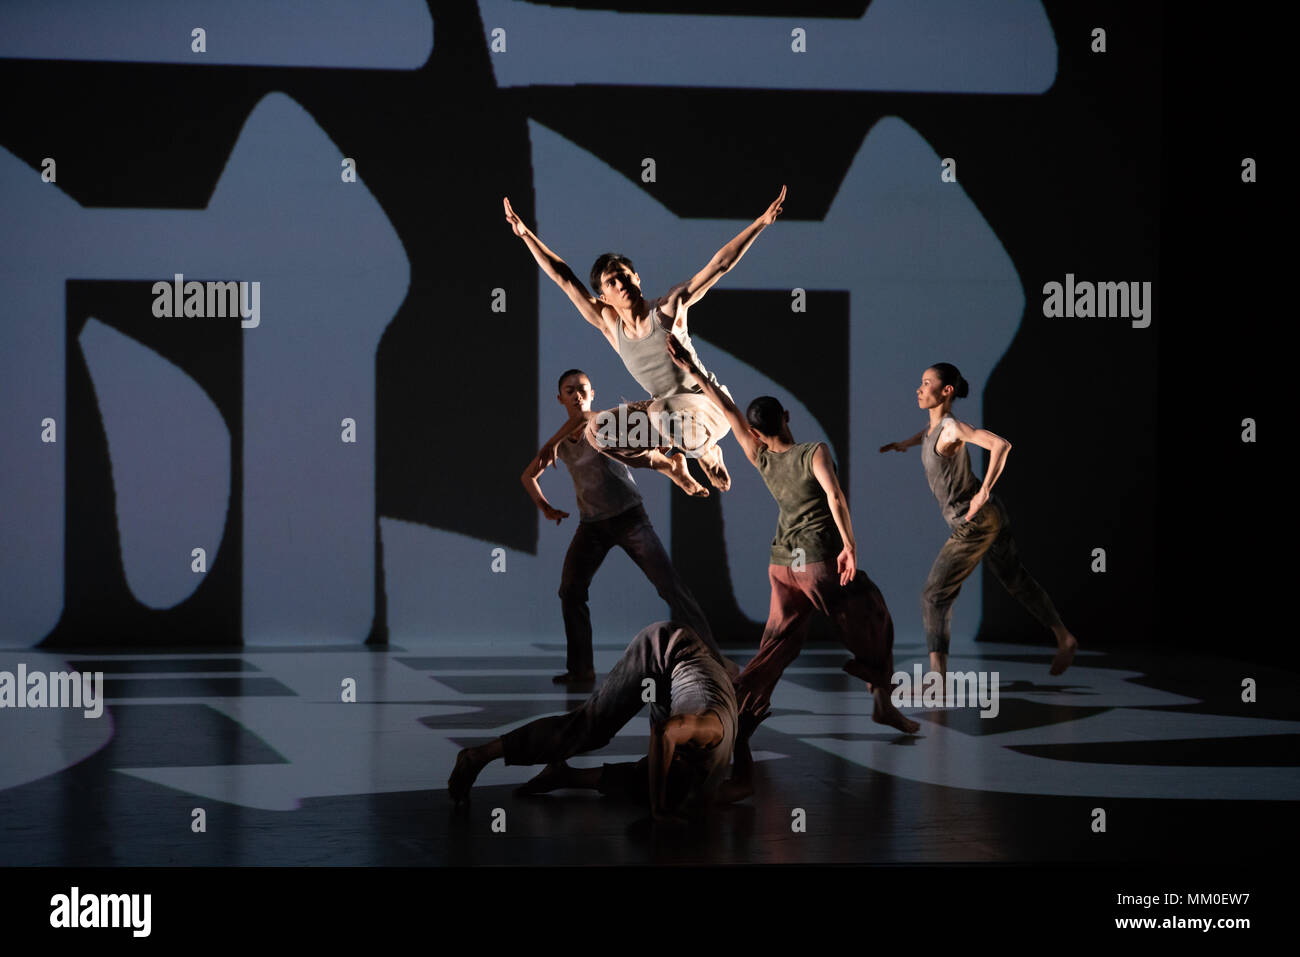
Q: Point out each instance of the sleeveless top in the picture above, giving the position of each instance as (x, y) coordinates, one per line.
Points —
(805, 519)
(648, 361)
(950, 477)
(604, 486)
(698, 683)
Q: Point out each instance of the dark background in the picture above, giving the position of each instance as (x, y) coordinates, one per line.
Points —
(1125, 439)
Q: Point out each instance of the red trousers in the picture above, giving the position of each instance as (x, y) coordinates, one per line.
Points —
(858, 611)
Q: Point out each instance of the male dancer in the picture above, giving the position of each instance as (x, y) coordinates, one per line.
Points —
(692, 729)
(813, 560)
(611, 513)
(636, 328)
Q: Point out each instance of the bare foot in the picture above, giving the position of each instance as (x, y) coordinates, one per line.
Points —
(885, 713)
(463, 775)
(715, 470)
(552, 778)
(682, 477)
(1064, 654)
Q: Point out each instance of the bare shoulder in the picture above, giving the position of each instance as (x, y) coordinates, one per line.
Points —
(951, 436)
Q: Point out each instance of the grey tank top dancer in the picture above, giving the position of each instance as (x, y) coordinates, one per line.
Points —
(985, 535)
(951, 478)
(688, 682)
(610, 515)
(648, 361)
(677, 414)
(603, 486)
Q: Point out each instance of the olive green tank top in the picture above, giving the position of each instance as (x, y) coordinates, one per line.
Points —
(805, 519)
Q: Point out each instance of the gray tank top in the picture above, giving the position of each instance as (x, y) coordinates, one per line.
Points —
(950, 477)
(648, 360)
(700, 684)
(604, 486)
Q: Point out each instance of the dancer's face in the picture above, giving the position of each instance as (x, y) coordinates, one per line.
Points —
(931, 394)
(620, 286)
(576, 394)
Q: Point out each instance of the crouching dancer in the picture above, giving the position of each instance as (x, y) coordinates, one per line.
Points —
(692, 729)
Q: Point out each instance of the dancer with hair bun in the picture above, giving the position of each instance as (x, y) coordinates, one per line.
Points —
(981, 528)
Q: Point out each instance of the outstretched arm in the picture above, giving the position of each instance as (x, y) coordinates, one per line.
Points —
(998, 448)
(739, 425)
(907, 443)
(824, 471)
(690, 292)
(559, 271)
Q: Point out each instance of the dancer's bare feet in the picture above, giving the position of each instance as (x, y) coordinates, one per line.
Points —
(715, 470)
(1066, 646)
(884, 712)
(675, 468)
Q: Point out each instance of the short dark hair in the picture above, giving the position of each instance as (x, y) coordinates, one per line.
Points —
(766, 415)
(948, 375)
(560, 385)
(602, 265)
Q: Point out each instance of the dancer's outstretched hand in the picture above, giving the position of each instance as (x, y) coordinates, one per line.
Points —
(515, 222)
(848, 566)
(894, 447)
(773, 211)
(977, 502)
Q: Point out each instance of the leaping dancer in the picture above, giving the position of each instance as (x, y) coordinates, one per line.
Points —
(981, 527)
(678, 415)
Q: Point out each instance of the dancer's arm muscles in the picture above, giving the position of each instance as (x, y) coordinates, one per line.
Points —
(691, 291)
(824, 471)
(529, 481)
(561, 274)
(997, 446)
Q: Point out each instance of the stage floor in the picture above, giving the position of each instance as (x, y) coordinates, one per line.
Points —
(286, 772)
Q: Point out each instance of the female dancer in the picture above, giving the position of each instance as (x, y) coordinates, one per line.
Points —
(980, 525)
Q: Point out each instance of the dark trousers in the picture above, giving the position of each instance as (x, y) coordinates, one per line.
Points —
(858, 611)
(631, 531)
(987, 537)
(611, 706)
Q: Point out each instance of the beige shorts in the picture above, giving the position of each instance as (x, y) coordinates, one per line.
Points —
(629, 432)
